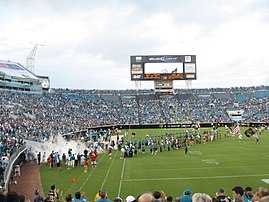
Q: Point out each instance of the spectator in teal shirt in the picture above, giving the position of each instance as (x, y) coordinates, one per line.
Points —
(186, 197)
(248, 195)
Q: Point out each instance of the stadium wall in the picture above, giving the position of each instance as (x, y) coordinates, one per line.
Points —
(13, 76)
(16, 159)
(179, 125)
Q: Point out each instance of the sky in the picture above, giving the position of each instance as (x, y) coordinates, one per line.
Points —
(88, 43)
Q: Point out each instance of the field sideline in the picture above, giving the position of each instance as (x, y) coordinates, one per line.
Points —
(207, 167)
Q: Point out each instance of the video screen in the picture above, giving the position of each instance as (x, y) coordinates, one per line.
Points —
(163, 68)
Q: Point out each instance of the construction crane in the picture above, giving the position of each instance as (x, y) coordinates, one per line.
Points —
(30, 60)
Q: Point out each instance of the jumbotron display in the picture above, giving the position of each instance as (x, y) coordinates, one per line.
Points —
(163, 67)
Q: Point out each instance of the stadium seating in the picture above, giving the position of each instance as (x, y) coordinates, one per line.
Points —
(39, 117)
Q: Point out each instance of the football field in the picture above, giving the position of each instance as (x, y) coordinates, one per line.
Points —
(223, 163)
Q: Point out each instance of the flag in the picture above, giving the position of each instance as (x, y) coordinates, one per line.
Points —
(249, 132)
(236, 130)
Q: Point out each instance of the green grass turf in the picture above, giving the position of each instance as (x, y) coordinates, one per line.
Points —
(207, 167)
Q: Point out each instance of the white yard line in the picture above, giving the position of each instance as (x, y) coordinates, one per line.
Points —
(109, 170)
(203, 168)
(121, 176)
(90, 174)
(195, 178)
(87, 179)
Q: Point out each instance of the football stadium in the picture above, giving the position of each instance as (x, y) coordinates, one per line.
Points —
(123, 145)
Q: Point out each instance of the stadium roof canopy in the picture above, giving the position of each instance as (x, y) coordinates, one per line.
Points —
(16, 70)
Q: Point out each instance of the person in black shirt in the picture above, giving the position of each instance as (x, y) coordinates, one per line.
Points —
(38, 158)
(221, 197)
(2, 170)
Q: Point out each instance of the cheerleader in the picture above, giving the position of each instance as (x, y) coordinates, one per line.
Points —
(110, 149)
(86, 165)
(255, 135)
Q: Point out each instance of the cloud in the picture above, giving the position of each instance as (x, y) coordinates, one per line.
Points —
(88, 43)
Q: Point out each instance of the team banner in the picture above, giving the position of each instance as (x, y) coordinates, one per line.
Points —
(249, 132)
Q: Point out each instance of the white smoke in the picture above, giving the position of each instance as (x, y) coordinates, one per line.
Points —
(58, 144)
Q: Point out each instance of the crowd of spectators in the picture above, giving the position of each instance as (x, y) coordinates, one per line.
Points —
(39, 117)
(239, 194)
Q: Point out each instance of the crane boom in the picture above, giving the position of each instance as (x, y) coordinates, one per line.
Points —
(30, 60)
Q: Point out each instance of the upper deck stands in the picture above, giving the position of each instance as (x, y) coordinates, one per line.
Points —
(15, 70)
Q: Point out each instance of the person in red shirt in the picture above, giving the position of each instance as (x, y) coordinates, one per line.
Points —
(96, 154)
(49, 161)
(93, 158)
(110, 149)
(86, 165)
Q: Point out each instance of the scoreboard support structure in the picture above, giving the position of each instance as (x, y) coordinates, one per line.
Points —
(137, 84)
(164, 86)
(188, 84)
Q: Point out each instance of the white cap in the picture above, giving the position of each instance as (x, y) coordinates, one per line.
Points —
(129, 199)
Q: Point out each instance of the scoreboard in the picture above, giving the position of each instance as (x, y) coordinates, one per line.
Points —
(163, 67)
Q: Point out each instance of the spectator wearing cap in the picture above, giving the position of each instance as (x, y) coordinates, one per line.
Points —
(186, 197)
(238, 194)
(221, 197)
(130, 199)
(248, 195)
(38, 197)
